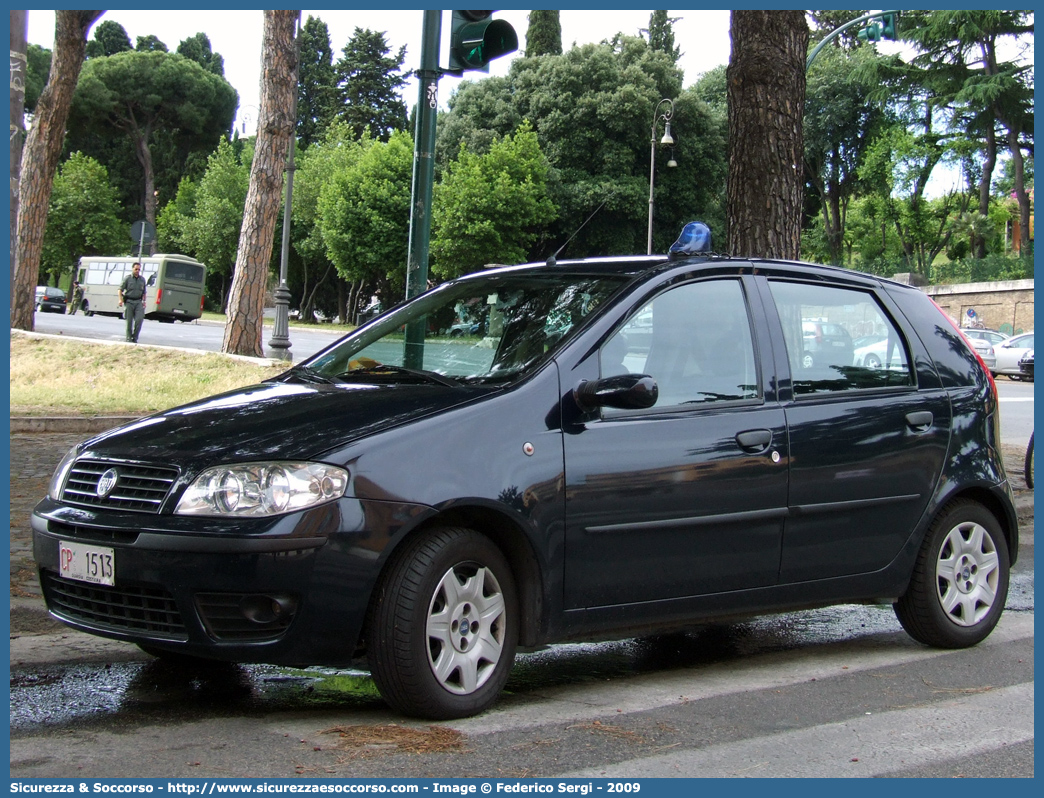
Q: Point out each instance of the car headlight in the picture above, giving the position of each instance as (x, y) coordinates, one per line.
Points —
(54, 490)
(259, 489)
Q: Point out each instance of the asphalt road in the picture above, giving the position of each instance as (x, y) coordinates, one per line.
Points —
(191, 335)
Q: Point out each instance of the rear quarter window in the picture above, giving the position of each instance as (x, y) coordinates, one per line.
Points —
(954, 360)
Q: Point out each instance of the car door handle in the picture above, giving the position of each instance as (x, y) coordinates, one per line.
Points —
(754, 441)
(920, 421)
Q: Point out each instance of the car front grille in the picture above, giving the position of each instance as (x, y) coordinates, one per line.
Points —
(147, 610)
(138, 488)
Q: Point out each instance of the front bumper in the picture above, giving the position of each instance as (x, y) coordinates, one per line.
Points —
(287, 591)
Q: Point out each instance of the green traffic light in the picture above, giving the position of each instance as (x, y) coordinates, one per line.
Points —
(475, 40)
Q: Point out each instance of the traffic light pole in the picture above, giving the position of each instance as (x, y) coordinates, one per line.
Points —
(423, 178)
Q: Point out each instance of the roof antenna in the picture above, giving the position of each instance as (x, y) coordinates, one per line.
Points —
(552, 260)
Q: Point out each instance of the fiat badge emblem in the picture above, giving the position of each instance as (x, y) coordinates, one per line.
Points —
(107, 482)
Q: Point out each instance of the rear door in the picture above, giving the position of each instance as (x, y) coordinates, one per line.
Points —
(867, 444)
(686, 498)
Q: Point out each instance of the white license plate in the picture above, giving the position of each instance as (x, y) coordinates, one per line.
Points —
(94, 564)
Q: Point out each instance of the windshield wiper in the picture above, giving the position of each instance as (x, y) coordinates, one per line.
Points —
(429, 376)
(311, 375)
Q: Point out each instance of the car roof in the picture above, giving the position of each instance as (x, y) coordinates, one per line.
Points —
(635, 265)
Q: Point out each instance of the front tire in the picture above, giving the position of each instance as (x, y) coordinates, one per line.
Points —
(960, 580)
(443, 626)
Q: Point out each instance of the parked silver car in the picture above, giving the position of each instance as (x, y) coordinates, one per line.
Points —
(986, 352)
(993, 336)
(1010, 352)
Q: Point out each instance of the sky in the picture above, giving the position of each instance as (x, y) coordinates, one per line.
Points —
(703, 37)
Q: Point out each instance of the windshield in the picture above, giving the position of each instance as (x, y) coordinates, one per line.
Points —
(489, 329)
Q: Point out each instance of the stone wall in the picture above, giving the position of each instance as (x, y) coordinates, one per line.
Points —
(1005, 305)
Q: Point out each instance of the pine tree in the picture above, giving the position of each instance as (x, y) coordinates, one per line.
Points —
(544, 36)
(661, 34)
(368, 82)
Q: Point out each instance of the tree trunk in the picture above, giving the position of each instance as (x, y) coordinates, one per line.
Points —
(43, 147)
(1020, 192)
(264, 197)
(143, 152)
(19, 26)
(766, 98)
(989, 162)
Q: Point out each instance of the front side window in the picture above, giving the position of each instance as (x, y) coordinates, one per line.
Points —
(694, 340)
(839, 339)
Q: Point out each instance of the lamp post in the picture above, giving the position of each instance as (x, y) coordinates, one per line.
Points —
(666, 141)
(280, 340)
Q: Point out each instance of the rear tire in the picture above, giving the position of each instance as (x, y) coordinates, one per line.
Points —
(443, 626)
(960, 580)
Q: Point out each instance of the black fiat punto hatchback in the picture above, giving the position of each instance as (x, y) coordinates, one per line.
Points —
(611, 447)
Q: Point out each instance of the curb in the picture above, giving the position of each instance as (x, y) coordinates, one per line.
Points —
(70, 424)
(259, 361)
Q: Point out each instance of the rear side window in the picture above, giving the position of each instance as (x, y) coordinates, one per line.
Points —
(695, 340)
(839, 339)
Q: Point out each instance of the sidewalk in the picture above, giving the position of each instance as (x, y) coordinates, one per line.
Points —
(38, 444)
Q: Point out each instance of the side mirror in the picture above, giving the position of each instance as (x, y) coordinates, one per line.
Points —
(152, 280)
(625, 392)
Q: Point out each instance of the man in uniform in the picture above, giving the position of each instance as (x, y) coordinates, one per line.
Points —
(75, 298)
(132, 300)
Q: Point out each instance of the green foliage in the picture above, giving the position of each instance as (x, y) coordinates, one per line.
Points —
(333, 155)
(841, 121)
(712, 89)
(38, 66)
(206, 219)
(317, 83)
(981, 270)
(172, 219)
(592, 110)
(197, 48)
(150, 44)
(110, 37)
(83, 217)
(368, 82)
(364, 214)
(544, 36)
(491, 208)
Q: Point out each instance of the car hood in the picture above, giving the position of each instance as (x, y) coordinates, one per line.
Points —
(283, 420)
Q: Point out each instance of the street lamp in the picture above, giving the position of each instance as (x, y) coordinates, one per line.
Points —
(666, 141)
